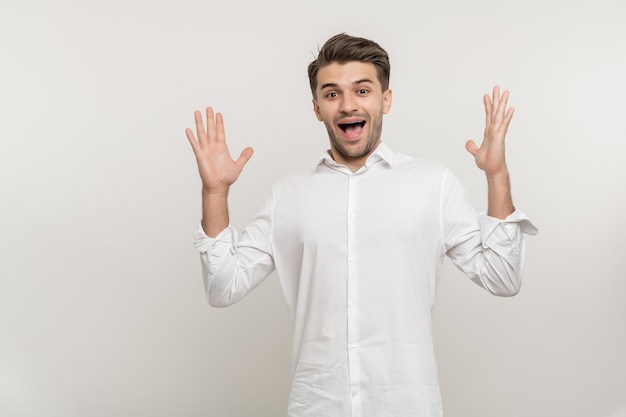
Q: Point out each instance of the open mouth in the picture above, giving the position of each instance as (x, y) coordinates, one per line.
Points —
(352, 127)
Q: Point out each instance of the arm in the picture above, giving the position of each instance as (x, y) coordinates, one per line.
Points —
(490, 155)
(489, 250)
(218, 171)
(231, 268)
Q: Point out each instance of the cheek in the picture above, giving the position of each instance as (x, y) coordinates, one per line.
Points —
(323, 114)
(317, 110)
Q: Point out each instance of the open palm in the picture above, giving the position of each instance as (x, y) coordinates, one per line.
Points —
(217, 169)
(490, 155)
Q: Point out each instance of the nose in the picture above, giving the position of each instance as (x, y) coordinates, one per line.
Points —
(348, 103)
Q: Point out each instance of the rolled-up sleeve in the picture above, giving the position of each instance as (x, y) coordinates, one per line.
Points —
(489, 251)
(232, 267)
(503, 250)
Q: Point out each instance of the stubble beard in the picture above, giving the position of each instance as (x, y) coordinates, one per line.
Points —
(372, 139)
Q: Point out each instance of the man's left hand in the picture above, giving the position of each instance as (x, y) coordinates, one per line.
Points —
(490, 155)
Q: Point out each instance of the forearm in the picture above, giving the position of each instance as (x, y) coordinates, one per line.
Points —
(214, 211)
(502, 257)
(500, 202)
(233, 264)
(217, 169)
(492, 255)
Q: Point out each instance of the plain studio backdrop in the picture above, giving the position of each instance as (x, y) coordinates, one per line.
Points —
(102, 307)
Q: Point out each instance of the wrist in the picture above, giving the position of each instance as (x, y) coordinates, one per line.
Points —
(498, 176)
(499, 194)
(215, 192)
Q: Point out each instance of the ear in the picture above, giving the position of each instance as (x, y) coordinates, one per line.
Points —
(316, 110)
(387, 99)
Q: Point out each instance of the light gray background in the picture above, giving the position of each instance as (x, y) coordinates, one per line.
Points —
(102, 310)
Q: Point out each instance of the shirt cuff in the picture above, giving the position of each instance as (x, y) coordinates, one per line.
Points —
(203, 242)
(516, 219)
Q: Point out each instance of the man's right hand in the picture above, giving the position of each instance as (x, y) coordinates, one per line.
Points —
(217, 169)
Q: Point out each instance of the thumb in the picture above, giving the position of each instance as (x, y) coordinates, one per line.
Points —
(245, 156)
(471, 147)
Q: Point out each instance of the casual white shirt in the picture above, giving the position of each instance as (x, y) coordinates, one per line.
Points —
(358, 257)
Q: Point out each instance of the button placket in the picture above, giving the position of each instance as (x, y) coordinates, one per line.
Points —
(354, 366)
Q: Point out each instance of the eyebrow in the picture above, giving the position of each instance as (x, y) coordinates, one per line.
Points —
(357, 82)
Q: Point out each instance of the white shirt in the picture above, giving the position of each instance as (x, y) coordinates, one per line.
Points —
(358, 256)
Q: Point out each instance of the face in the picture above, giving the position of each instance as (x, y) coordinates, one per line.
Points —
(351, 104)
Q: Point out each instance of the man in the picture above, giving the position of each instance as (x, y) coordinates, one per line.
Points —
(358, 242)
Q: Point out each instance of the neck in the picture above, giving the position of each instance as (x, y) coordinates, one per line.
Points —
(353, 163)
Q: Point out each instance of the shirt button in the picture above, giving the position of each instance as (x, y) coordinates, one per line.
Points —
(354, 394)
(352, 347)
(351, 303)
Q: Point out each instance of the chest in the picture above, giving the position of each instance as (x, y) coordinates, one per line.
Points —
(332, 209)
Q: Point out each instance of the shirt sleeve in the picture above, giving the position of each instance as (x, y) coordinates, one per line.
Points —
(489, 251)
(231, 266)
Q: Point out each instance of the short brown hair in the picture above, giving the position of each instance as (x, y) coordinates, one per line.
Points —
(344, 48)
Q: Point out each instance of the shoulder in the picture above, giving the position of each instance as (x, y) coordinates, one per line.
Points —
(404, 163)
(291, 182)
(293, 178)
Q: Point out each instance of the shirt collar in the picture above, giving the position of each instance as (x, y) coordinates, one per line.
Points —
(381, 153)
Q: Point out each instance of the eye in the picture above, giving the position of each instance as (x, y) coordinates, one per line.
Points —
(362, 91)
(332, 94)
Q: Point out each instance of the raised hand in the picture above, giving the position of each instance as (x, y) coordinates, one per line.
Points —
(490, 155)
(217, 169)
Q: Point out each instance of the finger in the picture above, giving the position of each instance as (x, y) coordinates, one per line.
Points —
(192, 141)
(505, 98)
(488, 109)
(496, 96)
(210, 122)
(495, 102)
(507, 118)
(190, 136)
(199, 126)
(245, 156)
(471, 147)
(220, 135)
(502, 103)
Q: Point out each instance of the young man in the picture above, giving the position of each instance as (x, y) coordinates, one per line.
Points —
(358, 242)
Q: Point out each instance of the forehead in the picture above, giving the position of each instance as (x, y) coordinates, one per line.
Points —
(346, 74)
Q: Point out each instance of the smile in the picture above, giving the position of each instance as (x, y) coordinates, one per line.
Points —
(352, 128)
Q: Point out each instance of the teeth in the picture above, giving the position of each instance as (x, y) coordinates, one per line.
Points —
(344, 126)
